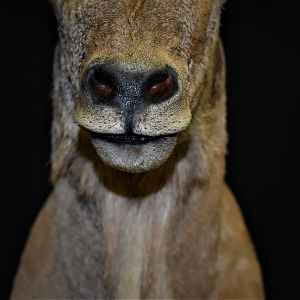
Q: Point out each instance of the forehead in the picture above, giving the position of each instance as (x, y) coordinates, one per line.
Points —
(134, 7)
(125, 2)
(113, 28)
(138, 17)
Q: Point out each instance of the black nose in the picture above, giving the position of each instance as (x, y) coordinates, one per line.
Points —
(111, 85)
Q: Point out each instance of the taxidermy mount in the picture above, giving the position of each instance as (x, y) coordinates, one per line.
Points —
(139, 208)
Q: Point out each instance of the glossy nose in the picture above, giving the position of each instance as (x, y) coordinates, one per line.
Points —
(113, 86)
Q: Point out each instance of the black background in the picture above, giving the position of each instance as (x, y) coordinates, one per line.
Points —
(261, 40)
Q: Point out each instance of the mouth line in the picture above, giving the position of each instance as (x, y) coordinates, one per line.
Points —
(129, 139)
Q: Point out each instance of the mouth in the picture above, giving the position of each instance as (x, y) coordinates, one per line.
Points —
(133, 153)
(128, 139)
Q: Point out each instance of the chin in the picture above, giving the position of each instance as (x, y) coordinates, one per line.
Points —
(133, 153)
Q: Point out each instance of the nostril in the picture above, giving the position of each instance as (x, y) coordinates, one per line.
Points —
(162, 85)
(102, 89)
(161, 89)
(100, 83)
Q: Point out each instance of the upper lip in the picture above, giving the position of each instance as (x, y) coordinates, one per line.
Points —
(128, 138)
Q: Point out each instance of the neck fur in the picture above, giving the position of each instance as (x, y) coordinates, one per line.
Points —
(145, 222)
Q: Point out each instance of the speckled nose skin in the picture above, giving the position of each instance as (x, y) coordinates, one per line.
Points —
(129, 91)
(139, 208)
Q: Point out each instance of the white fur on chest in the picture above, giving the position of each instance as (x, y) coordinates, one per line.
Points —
(126, 237)
(135, 232)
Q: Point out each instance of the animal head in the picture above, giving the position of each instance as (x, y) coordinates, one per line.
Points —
(131, 74)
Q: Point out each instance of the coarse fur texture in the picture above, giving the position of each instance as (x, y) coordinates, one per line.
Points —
(147, 221)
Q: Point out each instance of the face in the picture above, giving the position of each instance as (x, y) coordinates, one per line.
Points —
(135, 67)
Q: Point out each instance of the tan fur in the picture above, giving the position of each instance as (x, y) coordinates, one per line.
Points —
(164, 227)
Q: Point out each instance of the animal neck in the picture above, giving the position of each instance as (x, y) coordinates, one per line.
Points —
(145, 222)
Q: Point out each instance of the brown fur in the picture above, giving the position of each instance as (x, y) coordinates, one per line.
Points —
(168, 228)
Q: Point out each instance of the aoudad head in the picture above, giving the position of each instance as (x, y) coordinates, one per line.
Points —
(135, 67)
